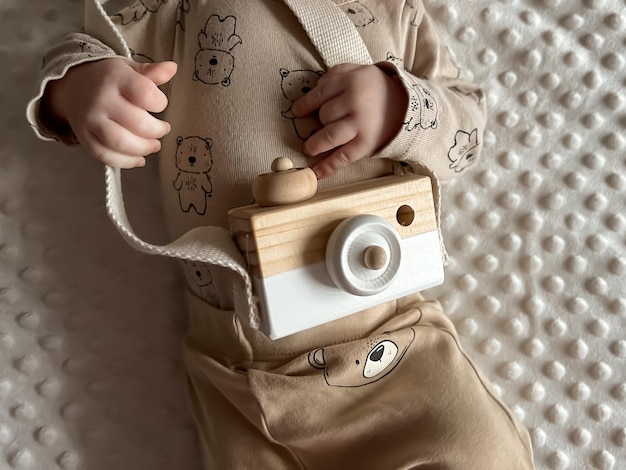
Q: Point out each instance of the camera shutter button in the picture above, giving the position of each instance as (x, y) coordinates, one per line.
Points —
(282, 164)
(284, 184)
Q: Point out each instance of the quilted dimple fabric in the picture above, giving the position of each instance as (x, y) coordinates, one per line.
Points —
(90, 330)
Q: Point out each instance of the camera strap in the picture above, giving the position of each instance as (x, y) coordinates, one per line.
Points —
(206, 244)
(336, 40)
(330, 30)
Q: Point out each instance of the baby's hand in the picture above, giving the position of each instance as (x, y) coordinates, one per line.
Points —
(361, 109)
(107, 104)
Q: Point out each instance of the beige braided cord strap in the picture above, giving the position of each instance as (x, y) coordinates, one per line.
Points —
(330, 30)
(211, 245)
(327, 27)
(337, 41)
(207, 244)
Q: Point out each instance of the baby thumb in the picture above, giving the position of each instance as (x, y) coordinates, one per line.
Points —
(159, 72)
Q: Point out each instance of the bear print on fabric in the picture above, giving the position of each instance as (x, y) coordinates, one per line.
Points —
(461, 155)
(201, 281)
(183, 11)
(91, 50)
(214, 61)
(193, 183)
(423, 108)
(397, 61)
(138, 10)
(359, 363)
(294, 84)
(142, 58)
(360, 15)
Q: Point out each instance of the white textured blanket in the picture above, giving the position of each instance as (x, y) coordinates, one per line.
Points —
(90, 376)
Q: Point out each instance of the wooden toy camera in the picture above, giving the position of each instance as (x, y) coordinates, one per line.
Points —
(316, 257)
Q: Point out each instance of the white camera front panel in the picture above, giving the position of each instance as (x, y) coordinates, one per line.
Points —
(306, 297)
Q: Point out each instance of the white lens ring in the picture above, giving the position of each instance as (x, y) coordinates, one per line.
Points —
(345, 254)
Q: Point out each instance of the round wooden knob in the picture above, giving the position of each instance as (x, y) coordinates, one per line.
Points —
(284, 185)
(374, 257)
(282, 164)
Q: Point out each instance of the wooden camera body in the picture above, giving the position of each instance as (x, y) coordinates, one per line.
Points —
(316, 257)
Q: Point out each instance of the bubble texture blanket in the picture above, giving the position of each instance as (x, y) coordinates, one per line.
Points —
(90, 331)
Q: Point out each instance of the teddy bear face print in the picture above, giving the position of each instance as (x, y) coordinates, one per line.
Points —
(362, 362)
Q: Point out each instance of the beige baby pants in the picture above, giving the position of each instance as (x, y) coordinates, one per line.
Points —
(384, 389)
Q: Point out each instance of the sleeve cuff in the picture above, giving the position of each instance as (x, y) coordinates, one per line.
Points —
(77, 49)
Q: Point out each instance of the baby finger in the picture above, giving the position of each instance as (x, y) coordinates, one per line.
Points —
(141, 123)
(339, 159)
(120, 140)
(331, 136)
(112, 158)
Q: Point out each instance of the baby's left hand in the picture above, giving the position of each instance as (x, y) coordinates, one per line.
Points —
(361, 109)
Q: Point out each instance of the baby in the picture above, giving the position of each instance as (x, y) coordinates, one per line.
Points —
(236, 83)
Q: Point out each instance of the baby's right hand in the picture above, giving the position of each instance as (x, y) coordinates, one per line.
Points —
(107, 104)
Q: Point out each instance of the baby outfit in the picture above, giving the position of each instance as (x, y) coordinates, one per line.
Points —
(387, 388)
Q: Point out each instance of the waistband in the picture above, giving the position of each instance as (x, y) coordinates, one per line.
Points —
(221, 334)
